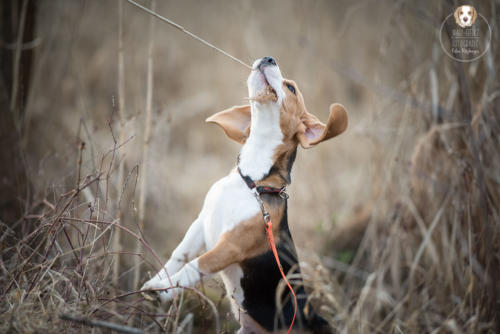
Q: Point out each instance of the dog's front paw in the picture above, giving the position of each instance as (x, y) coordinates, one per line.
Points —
(154, 285)
(163, 296)
(150, 289)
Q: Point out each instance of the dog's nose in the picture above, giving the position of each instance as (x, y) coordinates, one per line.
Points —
(465, 19)
(268, 61)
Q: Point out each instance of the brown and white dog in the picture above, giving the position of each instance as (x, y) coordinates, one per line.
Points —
(465, 16)
(230, 228)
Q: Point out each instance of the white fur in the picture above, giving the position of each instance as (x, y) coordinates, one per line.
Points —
(229, 201)
(231, 276)
(465, 19)
(257, 81)
(256, 156)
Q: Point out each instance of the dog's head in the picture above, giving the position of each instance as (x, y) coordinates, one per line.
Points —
(278, 100)
(465, 16)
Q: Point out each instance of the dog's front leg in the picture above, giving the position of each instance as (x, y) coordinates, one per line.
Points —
(191, 244)
(234, 246)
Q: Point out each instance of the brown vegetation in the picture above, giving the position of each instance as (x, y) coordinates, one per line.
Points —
(396, 221)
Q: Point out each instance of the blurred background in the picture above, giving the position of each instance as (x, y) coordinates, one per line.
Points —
(103, 115)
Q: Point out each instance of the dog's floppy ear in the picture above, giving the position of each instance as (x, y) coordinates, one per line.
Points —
(474, 15)
(457, 19)
(235, 122)
(313, 131)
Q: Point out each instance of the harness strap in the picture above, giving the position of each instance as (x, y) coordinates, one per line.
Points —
(269, 230)
(263, 189)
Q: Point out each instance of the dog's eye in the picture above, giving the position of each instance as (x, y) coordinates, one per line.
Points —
(469, 12)
(461, 13)
(290, 88)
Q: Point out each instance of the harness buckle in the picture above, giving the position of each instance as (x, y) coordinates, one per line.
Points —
(283, 193)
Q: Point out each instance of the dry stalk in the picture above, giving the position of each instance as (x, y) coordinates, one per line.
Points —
(14, 108)
(121, 167)
(145, 152)
(48, 273)
(79, 159)
(99, 323)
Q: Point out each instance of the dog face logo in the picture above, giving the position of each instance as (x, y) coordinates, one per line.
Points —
(465, 16)
(468, 38)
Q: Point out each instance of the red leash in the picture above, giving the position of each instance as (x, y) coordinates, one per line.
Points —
(269, 228)
(272, 245)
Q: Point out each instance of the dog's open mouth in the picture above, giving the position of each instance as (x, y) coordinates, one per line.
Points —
(267, 95)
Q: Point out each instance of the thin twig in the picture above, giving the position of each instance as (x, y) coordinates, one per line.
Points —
(100, 323)
(181, 28)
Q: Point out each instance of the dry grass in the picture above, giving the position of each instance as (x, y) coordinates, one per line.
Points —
(57, 260)
(398, 225)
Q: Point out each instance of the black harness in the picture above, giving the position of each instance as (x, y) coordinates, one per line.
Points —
(263, 189)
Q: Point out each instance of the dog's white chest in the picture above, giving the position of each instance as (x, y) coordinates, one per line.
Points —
(228, 203)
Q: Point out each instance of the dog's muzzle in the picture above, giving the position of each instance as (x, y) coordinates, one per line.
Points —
(266, 61)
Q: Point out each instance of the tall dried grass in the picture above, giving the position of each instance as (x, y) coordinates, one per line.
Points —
(429, 256)
(57, 269)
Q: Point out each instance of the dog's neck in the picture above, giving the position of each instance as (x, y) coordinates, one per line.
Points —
(257, 156)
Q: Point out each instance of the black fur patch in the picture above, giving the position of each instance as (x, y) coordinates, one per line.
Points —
(275, 169)
(260, 280)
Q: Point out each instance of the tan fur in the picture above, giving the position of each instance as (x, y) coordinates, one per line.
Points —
(235, 122)
(274, 180)
(295, 121)
(456, 13)
(269, 95)
(292, 111)
(250, 326)
(246, 240)
(474, 15)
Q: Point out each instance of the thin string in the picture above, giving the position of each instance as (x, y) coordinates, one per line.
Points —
(181, 28)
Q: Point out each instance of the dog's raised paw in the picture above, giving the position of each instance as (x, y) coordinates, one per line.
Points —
(148, 289)
(150, 295)
(154, 283)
